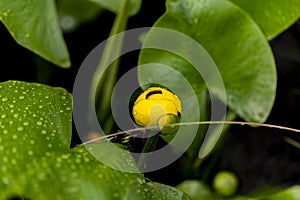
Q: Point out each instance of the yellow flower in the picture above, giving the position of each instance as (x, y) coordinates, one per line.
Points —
(157, 106)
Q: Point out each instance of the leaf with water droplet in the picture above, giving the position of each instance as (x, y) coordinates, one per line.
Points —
(168, 192)
(36, 161)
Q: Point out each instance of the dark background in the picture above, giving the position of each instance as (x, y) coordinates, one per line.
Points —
(259, 156)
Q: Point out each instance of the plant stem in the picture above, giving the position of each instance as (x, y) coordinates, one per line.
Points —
(212, 139)
(148, 147)
(192, 152)
(104, 87)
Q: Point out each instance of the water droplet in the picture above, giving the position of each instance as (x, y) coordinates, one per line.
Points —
(63, 97)
(100, 176)
(3, 168)
(4, 99)
(13, 161)
(30, 152)
(65, 156)
(116, 195)
(40, 106)
(14, 137)
(48, 153)
(14, 150)
(21, 97)
(5, 180)
(20, 128)
(41, 176)
(16, 115)
(78, 160)
(31, 142)
(3, 116)
(25, 123)
(5, 132)
(39, 123)
(5, 159)
(50, 145)
(44, 132)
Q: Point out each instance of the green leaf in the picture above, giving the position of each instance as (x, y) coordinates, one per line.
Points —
(34, 25)
(273, 16)
(36, 161)
(235, 43)
(116, 5)
(168, 192)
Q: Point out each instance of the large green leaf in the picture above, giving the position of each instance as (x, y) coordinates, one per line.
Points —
(34, 25)
(115, 5)
(36, 161)
(273, 16)
(235, 43)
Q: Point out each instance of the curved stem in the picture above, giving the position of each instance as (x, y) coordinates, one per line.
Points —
(148, 147)
(134, 131)
(106, 84)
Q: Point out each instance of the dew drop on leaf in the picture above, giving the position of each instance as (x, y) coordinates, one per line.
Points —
(39, 123)
(4, 99)
(30, 152)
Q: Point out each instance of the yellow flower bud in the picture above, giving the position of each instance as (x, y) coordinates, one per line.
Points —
(157, 106)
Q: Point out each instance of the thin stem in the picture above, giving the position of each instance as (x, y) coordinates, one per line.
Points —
(193, 150)
(292, 142)
(212, 138)
(148, 147)
(112, 50)
(134, 131)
